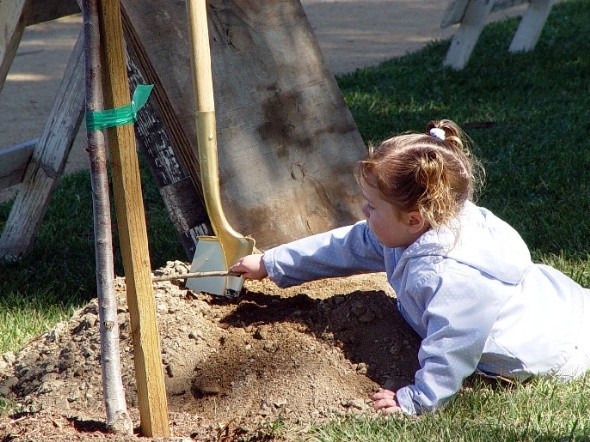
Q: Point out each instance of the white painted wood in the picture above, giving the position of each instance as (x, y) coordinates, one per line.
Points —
(48, 160)
(456, 10)
(13, 17)
(531, 25)
(506, 4)
(466, 37)
(472, 14)
(454, 13)
(13, 163)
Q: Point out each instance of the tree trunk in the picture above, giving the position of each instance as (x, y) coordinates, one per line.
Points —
(287, 142)
(118, 420)
(185, 206)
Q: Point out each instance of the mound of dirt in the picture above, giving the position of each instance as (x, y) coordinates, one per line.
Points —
(231, 367)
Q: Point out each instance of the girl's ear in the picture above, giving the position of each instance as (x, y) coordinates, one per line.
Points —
(416, 222)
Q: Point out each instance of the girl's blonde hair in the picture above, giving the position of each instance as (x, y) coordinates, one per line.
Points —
(425, 172)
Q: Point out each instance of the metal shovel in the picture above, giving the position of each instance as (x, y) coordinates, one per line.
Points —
(219, 252)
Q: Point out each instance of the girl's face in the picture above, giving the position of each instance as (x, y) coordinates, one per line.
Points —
(392, 227)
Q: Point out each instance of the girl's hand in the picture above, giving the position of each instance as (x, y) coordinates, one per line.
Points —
(251, 267)
(384, 401)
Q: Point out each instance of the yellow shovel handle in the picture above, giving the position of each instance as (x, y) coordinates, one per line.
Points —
(233, 244)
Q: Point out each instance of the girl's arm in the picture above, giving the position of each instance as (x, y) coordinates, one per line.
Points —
(458, 317)
(340, 252)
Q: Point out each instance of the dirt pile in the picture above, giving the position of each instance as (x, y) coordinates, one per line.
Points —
(231, 367)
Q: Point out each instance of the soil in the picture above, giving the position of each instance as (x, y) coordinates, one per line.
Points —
(232, 367)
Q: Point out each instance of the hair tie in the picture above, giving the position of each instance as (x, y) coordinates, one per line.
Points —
(437, 132)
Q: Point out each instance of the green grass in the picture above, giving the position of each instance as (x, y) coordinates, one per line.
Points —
(535, 411)
(536, 150)
(58, 275)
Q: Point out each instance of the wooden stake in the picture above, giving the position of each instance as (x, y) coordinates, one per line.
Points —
(133, 233)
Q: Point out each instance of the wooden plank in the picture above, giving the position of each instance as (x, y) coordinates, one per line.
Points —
(13, 163)
(47, 10)
(465, 38)
(287, 141)
(149, 374)
(13, 18)
(454, 13)
(48, 160)
(500, 5)
(531, 25)
(456, 10)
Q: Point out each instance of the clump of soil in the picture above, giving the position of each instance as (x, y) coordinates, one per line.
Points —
(231, 367)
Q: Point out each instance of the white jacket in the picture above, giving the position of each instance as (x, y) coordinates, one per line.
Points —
(475, 298)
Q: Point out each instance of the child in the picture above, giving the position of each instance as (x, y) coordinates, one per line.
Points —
(463, 278)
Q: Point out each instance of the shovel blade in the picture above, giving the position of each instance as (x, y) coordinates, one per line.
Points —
(209, 257)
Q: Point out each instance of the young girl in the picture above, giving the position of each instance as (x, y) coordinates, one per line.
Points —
(463, 278)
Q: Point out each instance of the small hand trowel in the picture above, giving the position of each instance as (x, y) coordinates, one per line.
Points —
(219, 252)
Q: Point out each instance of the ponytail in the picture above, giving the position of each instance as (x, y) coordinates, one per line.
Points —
(434, 173)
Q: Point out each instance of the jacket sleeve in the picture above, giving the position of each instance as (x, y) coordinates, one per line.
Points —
(340, 252)
(459, 314)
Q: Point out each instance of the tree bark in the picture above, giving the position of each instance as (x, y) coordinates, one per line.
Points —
(184, 205)
(118, 420)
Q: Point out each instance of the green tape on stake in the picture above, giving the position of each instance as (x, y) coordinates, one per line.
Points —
(99, 120)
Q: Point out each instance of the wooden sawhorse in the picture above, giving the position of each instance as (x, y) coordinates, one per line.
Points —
(471, 16)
